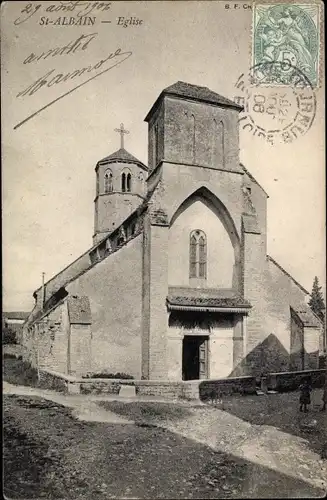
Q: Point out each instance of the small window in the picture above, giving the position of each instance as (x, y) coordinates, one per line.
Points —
(123, 182)
(108, 182)
(126, 181)
(129, 183)
(198, 254)
(248, 190)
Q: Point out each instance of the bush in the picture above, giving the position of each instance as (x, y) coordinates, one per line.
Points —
(118, 375)
(19, 372)
(8, 336)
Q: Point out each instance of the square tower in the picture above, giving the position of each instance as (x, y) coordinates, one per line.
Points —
(193, 125)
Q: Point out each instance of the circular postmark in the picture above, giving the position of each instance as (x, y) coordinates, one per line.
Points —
(273, 111)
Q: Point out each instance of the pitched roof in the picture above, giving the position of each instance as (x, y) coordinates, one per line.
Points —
(195, 93)
(206, 298)
(122, 156)
(307, 317)
(252, 178)
(270, 259)
(79, 310)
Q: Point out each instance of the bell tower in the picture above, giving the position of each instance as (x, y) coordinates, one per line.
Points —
(120, 188)
(192, 125)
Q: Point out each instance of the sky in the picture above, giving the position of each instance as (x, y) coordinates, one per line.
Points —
(48, 162)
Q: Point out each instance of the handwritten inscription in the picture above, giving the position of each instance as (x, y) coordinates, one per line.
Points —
(79, 8)
(81, 43)
(78, 14)
(53, 77)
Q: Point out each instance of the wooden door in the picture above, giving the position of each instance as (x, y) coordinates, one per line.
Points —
(203, 359)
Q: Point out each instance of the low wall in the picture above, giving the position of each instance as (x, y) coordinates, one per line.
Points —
(290, 381)
(57, 381)
(227, 386)
(172, 390)
(12, 350)
(193, 389)
(69, 384)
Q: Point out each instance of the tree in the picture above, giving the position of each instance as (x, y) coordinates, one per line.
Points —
(316, 301)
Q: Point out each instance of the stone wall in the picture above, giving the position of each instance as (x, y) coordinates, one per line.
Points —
(199, 133)
(220, 251)
(311, 347)
(12, 350)
(53, 380)
(161, 389)
(290, 381)
(114, 288)
(111, 210)
(50, 345)
(205, 389)
(221, 387)
(297, 343)
(80, 349)
(170, 390)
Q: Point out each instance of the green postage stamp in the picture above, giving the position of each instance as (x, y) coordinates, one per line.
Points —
(287, 34)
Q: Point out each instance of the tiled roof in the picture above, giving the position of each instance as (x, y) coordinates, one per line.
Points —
(217, 302)
(79, 310)
(307, 317)
(123, 156)
(196, 93)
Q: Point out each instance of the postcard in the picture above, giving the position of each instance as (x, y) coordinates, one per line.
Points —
(163, 249)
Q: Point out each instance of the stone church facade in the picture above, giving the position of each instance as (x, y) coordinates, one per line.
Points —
(178, 284)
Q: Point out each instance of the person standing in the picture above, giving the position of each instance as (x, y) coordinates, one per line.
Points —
(305, 394)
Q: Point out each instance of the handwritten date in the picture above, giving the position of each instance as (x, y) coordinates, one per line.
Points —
(80, 7)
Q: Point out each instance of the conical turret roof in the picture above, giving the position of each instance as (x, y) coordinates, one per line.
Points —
(122, 156)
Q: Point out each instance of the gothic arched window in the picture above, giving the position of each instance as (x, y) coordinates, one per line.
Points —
(108, 181)
(129, 183)
(126, 181)
(198, 254)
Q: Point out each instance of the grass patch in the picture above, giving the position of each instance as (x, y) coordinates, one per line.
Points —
(104, 374)
(140, 411)
(19, 372)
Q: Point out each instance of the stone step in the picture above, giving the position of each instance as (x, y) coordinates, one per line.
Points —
(127, 391)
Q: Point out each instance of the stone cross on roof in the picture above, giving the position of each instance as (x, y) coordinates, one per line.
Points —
(122, 131)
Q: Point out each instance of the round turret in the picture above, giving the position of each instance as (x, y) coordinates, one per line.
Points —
(120, 189)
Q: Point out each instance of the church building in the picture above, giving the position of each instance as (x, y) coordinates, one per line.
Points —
(178, 284)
